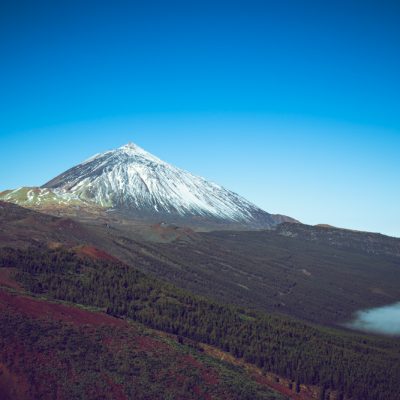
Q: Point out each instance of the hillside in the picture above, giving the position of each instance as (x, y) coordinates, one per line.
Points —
(264, 270)
(62, 259)
(367, 242)
(52, 350)
(350, 365)
(311, 279)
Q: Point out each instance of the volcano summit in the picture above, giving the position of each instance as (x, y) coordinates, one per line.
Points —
(134, 183)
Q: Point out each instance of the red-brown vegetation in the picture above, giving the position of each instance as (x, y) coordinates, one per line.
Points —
(95, 253)
(55, 311)
(47, 371)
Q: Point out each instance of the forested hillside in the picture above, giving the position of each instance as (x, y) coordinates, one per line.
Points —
(53, 350)
(355, 366)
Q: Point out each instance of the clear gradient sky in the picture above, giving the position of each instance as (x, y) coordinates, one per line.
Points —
(293, 104)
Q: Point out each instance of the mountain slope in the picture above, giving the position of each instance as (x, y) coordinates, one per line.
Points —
(52, 350)
(134, 182)
(349, 365)
(368, 242)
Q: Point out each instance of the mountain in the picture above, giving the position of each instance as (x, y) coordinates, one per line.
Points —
(135, 183)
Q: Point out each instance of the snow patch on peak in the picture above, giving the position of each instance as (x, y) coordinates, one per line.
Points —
(131, 146)
(132, 149)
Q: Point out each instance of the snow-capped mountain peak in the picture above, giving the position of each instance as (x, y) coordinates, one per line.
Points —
(129, 150)
(134, 150)
(133, 181)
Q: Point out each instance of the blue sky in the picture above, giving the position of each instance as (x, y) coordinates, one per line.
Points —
(294, 105)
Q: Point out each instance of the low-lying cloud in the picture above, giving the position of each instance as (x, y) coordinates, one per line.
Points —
(383, 320)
